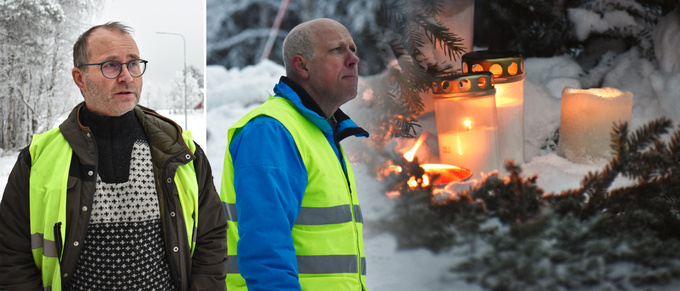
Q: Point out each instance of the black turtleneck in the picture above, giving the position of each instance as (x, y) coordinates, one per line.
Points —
(115, 137)
(306, 99)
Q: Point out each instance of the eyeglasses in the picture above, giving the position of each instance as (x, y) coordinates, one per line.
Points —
(112, 69)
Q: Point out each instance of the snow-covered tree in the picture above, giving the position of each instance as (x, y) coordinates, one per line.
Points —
(584, 28)
(36, 37)
(154, 96)
(175, 99)
(237, 30)
(197, 73)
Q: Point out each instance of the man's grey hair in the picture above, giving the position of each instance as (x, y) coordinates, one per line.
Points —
(80, 47)
(297, 42)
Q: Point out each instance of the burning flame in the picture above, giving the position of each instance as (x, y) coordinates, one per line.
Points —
(468, 125)
(445, 173)
(410, 155)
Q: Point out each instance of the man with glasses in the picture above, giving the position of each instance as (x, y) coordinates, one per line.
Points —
(116, 197)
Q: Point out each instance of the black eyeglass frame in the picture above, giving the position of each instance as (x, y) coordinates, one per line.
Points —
(101, 67)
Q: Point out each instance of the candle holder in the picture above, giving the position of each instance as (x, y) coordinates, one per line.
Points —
(465, 113)
(507, 68)
(586, 122)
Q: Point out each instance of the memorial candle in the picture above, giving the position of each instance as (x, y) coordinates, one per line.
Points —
(587, 119)
(465, 113)
(507, 68)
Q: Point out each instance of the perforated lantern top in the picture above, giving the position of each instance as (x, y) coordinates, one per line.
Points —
(464, 85)
(506, 66)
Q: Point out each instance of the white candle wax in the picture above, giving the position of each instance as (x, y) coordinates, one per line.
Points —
(474, 149)
(510, 111)
(587, 119)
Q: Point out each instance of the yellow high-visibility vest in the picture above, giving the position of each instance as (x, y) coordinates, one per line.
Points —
(50, 164)
(327, 234)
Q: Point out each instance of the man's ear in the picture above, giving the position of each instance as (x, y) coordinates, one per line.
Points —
(77, 74)
(299, 64)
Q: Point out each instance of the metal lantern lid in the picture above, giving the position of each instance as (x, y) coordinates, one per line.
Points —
(464, 85)
(506, 66)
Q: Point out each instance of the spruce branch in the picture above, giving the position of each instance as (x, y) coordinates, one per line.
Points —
(437, 34)
(584, 234)
(432, 7)
(650, 205)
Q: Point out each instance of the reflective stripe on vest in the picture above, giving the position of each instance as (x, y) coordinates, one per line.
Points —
(328, 230)
(312, 215)
(316, 264)
(50, 164)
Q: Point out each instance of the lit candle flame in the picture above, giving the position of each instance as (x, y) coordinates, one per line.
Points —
(409, 155)
(445, 173)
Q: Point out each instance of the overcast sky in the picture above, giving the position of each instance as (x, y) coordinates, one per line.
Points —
(164, 52)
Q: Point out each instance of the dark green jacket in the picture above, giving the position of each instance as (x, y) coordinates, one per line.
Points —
(204, 271)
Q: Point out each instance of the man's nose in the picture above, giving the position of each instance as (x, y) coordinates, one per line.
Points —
(125, 75)
(352, 60)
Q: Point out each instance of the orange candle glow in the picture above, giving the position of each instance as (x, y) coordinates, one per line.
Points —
(465, 113)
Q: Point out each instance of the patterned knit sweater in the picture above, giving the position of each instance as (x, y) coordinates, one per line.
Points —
(123, 247)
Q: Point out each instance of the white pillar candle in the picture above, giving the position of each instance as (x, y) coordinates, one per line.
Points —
(586, 122)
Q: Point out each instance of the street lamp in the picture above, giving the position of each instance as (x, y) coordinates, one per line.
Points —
(185, 73)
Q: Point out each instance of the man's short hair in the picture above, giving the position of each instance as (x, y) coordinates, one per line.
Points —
(80, 47)
(297, 42)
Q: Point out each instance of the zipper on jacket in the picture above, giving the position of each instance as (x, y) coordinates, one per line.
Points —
(57, 239)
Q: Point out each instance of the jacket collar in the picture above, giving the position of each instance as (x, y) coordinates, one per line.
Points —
(164, 136)
(343, 125)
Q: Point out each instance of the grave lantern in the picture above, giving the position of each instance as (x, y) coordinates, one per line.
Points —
(465, 113)
(508, 70)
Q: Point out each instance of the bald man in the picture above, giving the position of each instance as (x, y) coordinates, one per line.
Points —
(293, 213)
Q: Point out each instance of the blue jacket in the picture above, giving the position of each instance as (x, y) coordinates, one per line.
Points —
(263, 166)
